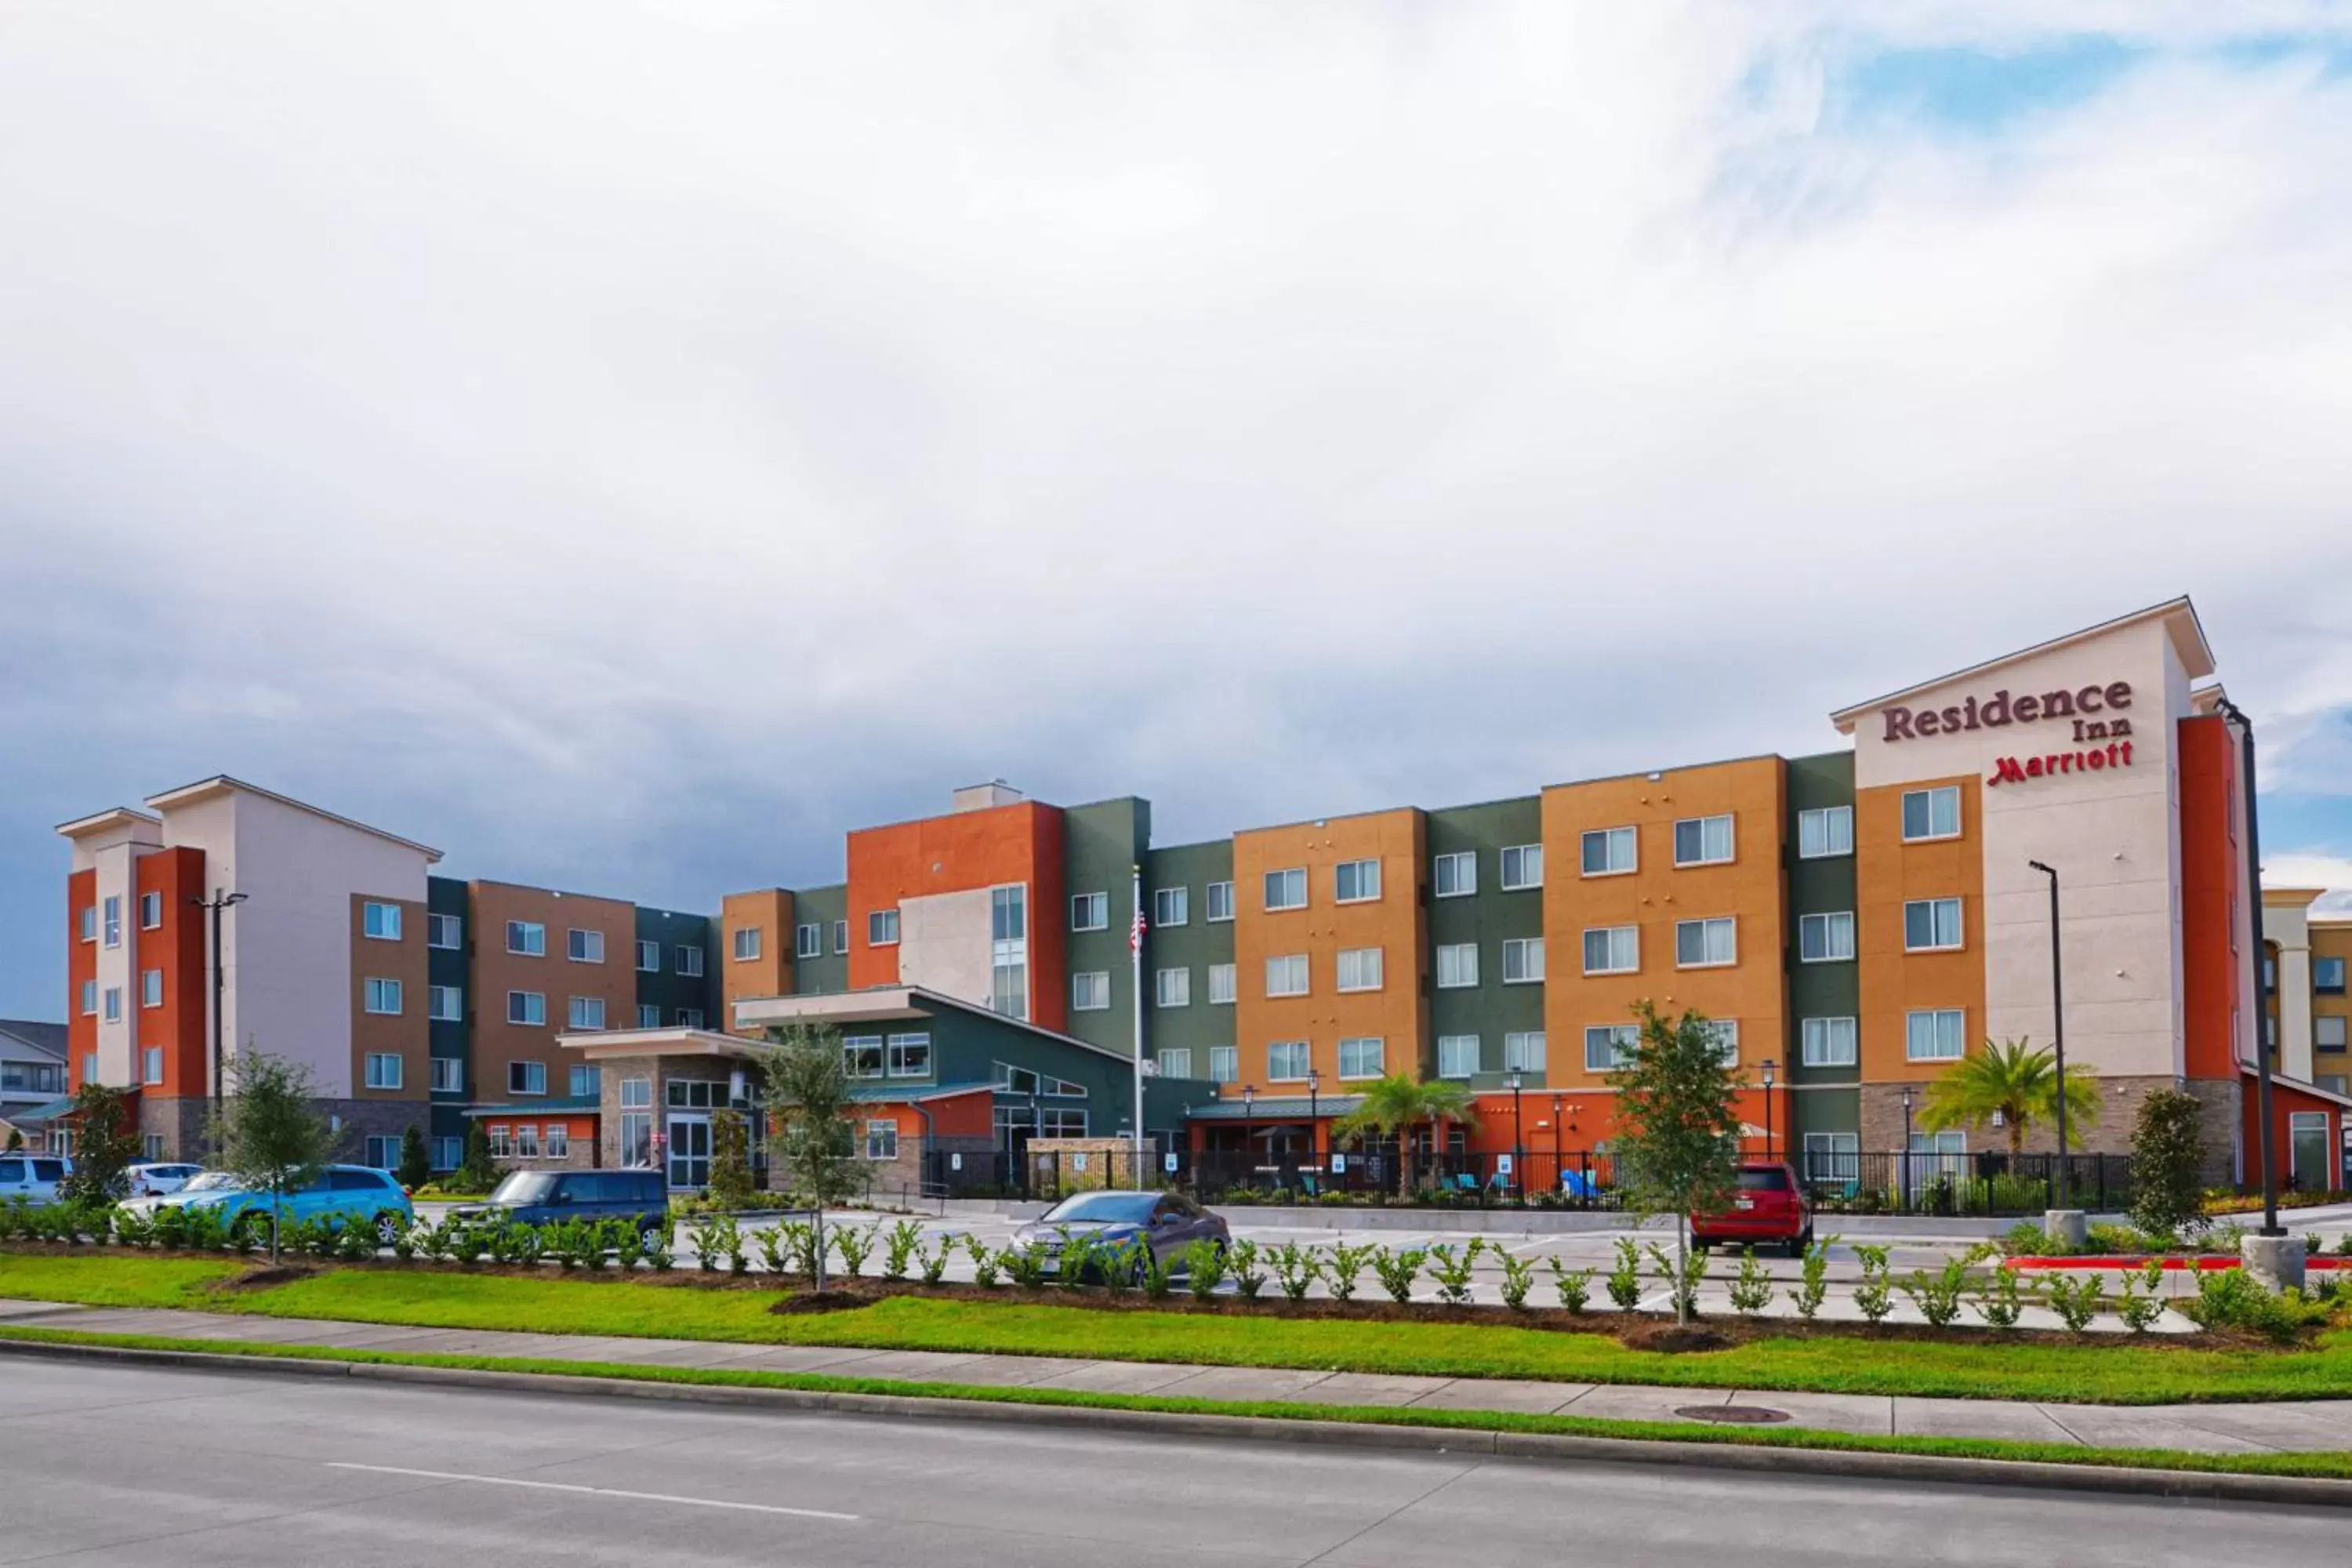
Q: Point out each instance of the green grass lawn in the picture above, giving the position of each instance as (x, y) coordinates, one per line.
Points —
(2119, 1375)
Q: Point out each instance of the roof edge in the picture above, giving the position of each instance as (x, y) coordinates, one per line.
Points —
(217, 781)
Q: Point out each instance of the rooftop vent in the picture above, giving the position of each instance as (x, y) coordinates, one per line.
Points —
(982, 796)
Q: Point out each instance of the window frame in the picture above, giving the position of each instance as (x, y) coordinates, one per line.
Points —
(1910, 1032)
(1829, 1055)
(899, 1050)
(644, 947)
(1465, 883)
(151, 1065)
(2324, 987)
(1505, 882)
(583, 944)
(1456, 1043)
(1608, 837)
(881, 1141)
(1829, 919)
(1088, 978)
(1305, 971)
(1231, 975)
(1305, 1060)
(111, 921)
(1525, 945)
(532, 935)
(740, 950)
(385, 1071)
(1182, 973)
(808, 941)
(1616, 1036)
(1378, 958)
(377, 989)
(1730, 820)
(1457, 952)
(1286, 873)
(1515, 1044)
(1934, 906)
(1100, 904)
(878, 921)
(1826, 814)
(440, 1068)
(1379, 1043)
(1229, 1057)
(147, 902)
(575, 1008)
(1706, 926)
(1179, 898)
(527, 998)
(1611, 933)
(1215, 894)
(689, 962)
(2343, 1040)
(379, 922)
(1363, 869)
(150, 988)
(1932, 794)
(437, 922)
(1173, 1061)
(532, 1072)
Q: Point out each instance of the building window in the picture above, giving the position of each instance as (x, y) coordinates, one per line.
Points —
(379, 1153)
(1286, 890)
(689, 1017)
(1934, 1035)
(1458, 1055)
(1833, 1156)
(525, 1078)
(648, 1015)
(1457, 965)
(379, 922)
(1523, 1051)
(1706, 944)
(113, 1013)
(587, 1012)
(1610, 852)
(88, 997)
(1089, 911)
(445, 1003)
(1931, 925)
(150, 1147)
(448, 1075)
(383, 1069)
(2327, 976)
(585, 1082)
(1221, 902)
(1359, 969)
(151, 1065)
(89, 922)
(1612, 949)
(559, 1140)
(151, 911)
(1224, 1064)
(747, 944)
(881, 1140)
(636, 1093)
(88, 1075)
(1702, 840)
(1523, 960)
(861, 1056)
(1356, 881)
(1285, 975)
(840, 936)
(1359, 1058)
(446, 933)
(1824, 832)
(1222, 984)
(447, 1154)
(501, 1141)
(882, 928)
(910, 1055)
(690, 962)
(1931, 813)
(526, 1144)
(1171, 906)
(648, 958)
(2327, 1031)
(526, 1007)
(113, 920)
(1455, 876)
(1175, 988)
(1608, 1047)
(150, 988)
(1286, 1061)
(585, 946)
(1724, 1033)
(808, 941)
(382, 996)
(1825, 938)
(1522, 868)
(1091, 991)
(1828, 1042)
(528, 937)
(1175, 1062)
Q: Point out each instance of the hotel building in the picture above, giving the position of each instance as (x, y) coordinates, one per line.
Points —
(1853, 921)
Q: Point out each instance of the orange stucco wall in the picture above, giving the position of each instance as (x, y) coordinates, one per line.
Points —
(998, 847)
(81, 967)
(2213, 870)
(768, 910)
(1887, 873)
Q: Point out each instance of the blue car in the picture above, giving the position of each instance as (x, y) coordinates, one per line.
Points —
(342, 1194)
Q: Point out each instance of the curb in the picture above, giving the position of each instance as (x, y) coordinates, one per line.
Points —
(1553, 1448)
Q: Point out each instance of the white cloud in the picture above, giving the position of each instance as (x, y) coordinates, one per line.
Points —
(532, 424)
(2300, 869)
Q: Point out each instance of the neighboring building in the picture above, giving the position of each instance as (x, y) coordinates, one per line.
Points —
(2308, 1013)
(1854, 922)
(32, 1064)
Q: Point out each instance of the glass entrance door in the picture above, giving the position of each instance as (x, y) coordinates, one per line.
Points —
(689, 1151)
(2307, 1151)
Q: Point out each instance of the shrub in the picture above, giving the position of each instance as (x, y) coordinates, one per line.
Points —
(205, 1230)
(715, 1238)
(1626, 1280)
(621, 1239)
(1296, 1269)
(2026, 1238)
(2117, 1239)
(134, 1229)
(1152, 1271)
(2167, 1156)
(1683, 1285)
(354, 1241)
(2002, 1303)
(2311, 1244)
(1204, 1268)
(2075, 1300)
(2141, 1303)
(1752, 1289)
(775, 1256)
(1575, 1284)
(168, 1227)
(2233, 1299)
(1345, 1266)
(852, 1245)
(1813, 1285)
(1518, 1279)
(1026, 1265)
(405, 1238)
(1937, 1295)
(931, 1259)
(1248, 1270)
(898, 1245)
(1398, 1270)
(658, 1252)
(1873, 1297)
(1452, 1270)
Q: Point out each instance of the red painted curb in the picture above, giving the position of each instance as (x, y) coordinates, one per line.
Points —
(2199, 1263)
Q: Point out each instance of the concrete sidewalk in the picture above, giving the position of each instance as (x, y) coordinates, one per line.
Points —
(2292, 1426)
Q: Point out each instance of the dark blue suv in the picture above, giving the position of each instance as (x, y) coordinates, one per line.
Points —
(542, 1198)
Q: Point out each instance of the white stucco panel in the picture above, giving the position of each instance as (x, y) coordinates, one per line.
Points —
(944, 946)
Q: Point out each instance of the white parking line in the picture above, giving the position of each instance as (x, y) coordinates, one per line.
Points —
(593, 1491)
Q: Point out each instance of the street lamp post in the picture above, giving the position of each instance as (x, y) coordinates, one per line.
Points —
(1906, 1149)
(2253, 894)
(1518, 1142)
(1249, 1128)
(1314, 1116)
(2057, 1022)
(1559, 1158)
(1769, 1065)
(219, 901)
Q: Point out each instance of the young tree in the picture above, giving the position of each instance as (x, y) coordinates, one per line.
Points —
(1677, 1138)
(730, 1162)
(415, 1166)
(1393, 1106)
(477, 1172)
(275, 1140)
(15, 1140)
(2168, 1164)
(106, 1145)
(808, 1095)
(2016, 1081)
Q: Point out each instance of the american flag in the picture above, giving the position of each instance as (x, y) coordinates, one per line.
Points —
(1135, 933)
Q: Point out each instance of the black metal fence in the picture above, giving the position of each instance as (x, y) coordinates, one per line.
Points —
(1986, 1184)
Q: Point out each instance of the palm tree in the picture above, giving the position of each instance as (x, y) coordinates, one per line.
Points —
(1394, 1105)
(2016, 1081)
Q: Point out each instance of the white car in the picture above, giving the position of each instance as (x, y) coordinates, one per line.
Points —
(33, 1176)
(155, 1181)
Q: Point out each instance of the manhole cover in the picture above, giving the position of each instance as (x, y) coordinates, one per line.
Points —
(1735, 1415)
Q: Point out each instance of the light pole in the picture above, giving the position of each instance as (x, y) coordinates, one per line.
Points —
(1314, 1116)
(1249, 1126)
(2231, 712)
(1767, 1065)
(1906, 1147)
(1558, 1159)
(2057, 1022)
(219, 901)
(1518, 1142)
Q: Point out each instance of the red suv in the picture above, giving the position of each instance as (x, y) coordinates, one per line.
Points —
(1769, 1205)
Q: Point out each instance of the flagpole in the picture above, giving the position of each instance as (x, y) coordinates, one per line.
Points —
(1135, 960)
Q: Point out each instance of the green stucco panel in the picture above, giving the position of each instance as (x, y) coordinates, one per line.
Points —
(1818, 886)
(1487, 918)
(829, 970)
(1102, 844)
(1196, 945)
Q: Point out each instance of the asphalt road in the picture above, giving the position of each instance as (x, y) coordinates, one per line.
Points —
(123, 1465)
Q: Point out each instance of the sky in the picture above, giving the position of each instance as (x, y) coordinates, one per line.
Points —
(625, 446)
